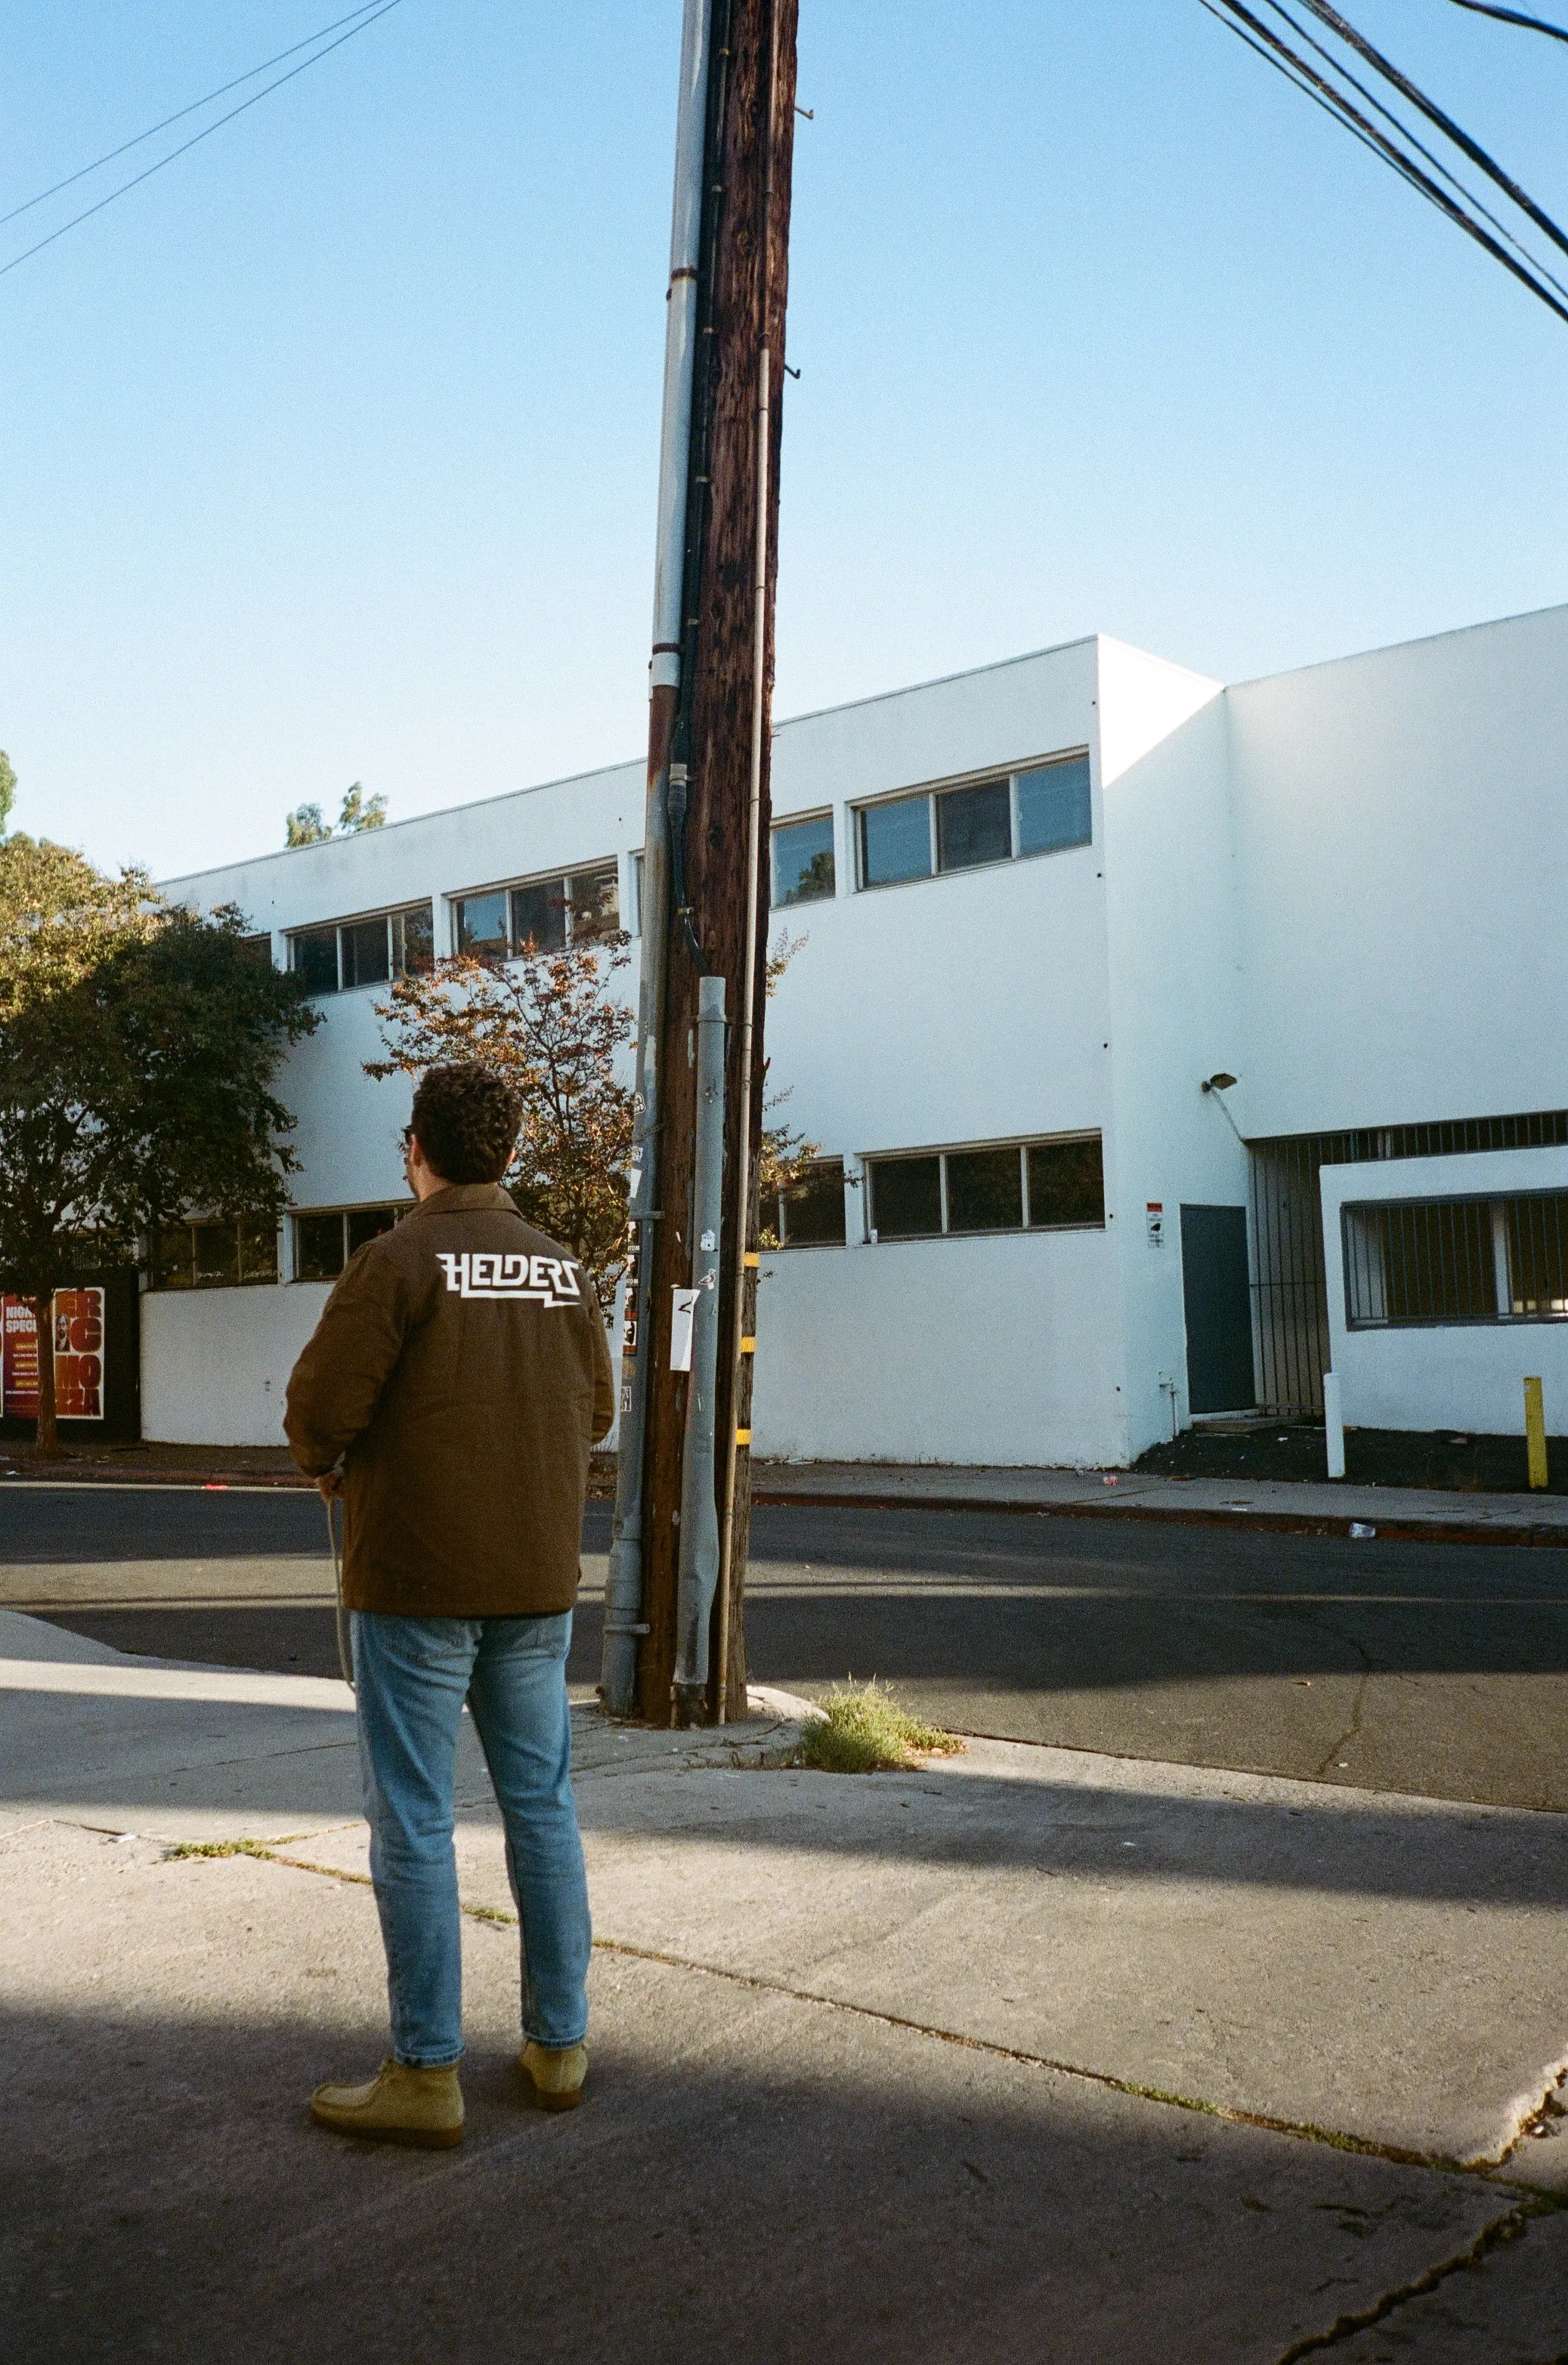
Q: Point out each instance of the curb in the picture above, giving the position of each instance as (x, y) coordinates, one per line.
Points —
(1392, 1530)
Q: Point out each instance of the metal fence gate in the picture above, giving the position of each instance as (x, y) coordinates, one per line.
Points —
(1290, 1296)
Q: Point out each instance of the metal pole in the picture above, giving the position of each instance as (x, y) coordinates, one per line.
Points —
(699, 1570)
(624, 1620)
(741, 1245)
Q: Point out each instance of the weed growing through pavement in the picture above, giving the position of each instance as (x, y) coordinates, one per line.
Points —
(216, 1848)
(864, 1729)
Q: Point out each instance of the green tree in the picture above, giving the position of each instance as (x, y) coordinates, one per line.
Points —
(360, 811)
(139, 1042)
(550, 1023)
(7, 790)
(307, 824)
(305, 827)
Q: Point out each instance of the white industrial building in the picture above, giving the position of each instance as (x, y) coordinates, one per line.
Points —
(1043, 906)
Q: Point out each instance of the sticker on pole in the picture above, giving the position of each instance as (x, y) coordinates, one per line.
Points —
(683, 1315)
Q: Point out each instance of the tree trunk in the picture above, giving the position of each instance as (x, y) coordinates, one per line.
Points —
(46, 1445)
(716, 731)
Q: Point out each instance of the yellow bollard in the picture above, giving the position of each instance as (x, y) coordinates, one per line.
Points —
(1535, 1433)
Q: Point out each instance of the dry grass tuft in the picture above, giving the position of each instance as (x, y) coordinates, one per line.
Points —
(863, 1728)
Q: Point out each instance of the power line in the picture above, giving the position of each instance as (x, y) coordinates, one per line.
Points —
(1434, 113)
(1513, 16)
(181, 112)
(195, 141)
(1300, 73)
(1403, 129)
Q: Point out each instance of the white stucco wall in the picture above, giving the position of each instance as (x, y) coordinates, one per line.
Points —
(215, 1363)
(1174, 1002)
(1403, 840)
(966, 1350)
(1464, 1376)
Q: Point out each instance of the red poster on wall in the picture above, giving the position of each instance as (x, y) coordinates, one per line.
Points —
(78, 1356)
(20, 1366)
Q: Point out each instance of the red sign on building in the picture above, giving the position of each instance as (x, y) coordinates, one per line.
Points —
(78, 1356)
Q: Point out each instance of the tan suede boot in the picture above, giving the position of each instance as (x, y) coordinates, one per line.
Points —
(555, 2081)
(423, 2107)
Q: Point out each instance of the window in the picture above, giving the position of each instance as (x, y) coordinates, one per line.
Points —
(1067, 1184)
(213, 1255)
(1053, 806)
(802, 860)
(541, 914)
(639, 865)
(1044, 810)
(259, 949)
(810, 1212)
(364, 952)
(1416, 1262)
(1005, 1186)
(324, 1242)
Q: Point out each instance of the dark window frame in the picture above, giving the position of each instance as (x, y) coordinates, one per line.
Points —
(819, 1170)
(395, 1208)
(1023, 1145)
(1486, 1233)
(564, 886)
(395, 919)
(779, 828)
(931, 798)
(247, 1253)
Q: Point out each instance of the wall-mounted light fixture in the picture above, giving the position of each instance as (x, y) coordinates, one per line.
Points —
(1221, 1083)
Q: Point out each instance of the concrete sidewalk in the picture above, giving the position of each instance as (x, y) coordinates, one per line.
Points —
(1030, 2054)
(1329, 1508)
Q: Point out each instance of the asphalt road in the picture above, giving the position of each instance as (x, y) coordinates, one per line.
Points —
(1440, 1669)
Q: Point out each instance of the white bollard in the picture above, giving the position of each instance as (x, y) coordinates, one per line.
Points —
(1334, 1423)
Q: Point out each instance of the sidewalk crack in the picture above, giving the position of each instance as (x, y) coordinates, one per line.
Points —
(1357, 1699)
(1511, 2226)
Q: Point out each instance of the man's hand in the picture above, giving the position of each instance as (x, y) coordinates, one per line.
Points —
(330, 1486)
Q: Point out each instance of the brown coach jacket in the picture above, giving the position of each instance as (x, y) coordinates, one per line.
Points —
(460, 1369)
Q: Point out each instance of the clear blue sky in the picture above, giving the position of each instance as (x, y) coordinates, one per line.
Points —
(329, 454)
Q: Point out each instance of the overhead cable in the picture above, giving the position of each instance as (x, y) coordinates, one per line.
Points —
(1303, 76)
(1514, 17)
(384, 9)
(181, 112)
(1402, 129)
(1434, 113)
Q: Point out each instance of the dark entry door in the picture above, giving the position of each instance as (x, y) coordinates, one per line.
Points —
(1219, 1305)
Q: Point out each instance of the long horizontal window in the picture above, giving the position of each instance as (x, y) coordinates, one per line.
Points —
(1422, 1261)
(540, 915)
(1006, 1186)
(810, 1211)
(213, 1254)
(364, 952)
(1043, 809)
(325, 1240)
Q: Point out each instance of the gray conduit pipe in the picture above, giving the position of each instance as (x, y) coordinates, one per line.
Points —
(698, 1565)
(624, 1620)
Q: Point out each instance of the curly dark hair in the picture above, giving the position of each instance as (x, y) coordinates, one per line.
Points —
(466, 1119)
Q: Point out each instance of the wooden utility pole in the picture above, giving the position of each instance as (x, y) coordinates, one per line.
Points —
(731, 561)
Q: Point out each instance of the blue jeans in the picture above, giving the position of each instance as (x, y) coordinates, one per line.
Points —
(412, 1676)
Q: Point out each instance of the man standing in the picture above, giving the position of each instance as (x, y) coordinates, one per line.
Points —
(456, 1379)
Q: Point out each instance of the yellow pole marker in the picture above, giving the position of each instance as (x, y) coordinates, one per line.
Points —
(742, 1437)
(752, 1260)
(1535, 1433)
(748, 1346)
